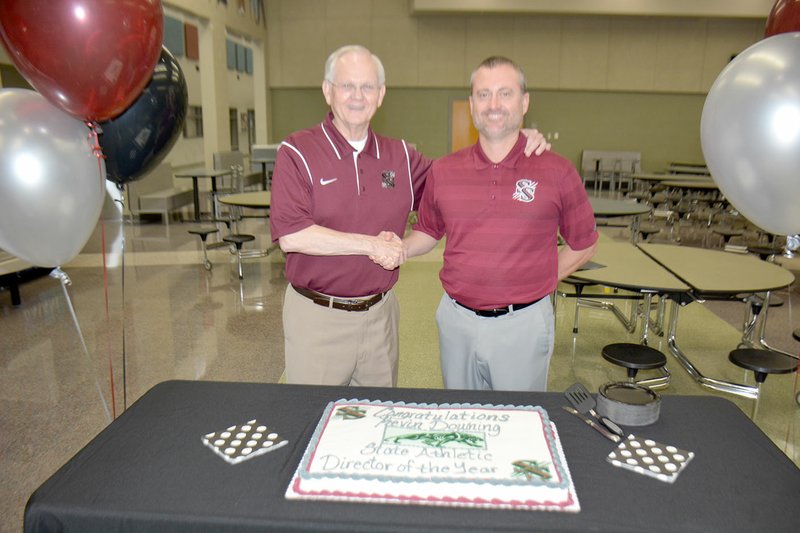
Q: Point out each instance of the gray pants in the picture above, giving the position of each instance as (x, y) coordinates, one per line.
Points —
(510, 352)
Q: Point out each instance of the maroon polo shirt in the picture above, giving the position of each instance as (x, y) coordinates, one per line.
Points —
(502, 223)
(317, 180)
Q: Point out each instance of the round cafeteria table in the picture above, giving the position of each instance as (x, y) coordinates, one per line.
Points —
(698, 185)
(606, 207)
(251, 200)
(255, 200)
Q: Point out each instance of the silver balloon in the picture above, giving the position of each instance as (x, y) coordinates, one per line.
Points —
(51, 186)
(750, 132)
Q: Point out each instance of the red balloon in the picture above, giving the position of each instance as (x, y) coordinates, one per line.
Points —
(90, 58)
(783, 18)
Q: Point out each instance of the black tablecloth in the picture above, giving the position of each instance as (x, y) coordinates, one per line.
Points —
(149, 471)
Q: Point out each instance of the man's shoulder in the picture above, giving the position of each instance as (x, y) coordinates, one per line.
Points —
(391, 143)
(548, 160)
(309, 135)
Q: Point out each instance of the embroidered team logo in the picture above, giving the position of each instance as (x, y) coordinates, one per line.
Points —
(526, 190)
(387, 179)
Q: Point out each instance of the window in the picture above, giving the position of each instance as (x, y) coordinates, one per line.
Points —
(239, 57)
(193, 125)
(230, 51)
(173, 36)
(251, 127)
(232, 113)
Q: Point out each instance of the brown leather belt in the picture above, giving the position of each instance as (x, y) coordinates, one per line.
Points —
(499, 311)
(344, 304)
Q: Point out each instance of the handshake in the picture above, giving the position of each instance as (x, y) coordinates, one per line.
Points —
(389, 251)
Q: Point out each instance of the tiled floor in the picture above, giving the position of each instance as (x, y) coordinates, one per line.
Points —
(157, 315)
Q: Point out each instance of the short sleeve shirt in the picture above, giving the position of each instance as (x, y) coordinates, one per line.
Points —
(319, 178)
(502, 222)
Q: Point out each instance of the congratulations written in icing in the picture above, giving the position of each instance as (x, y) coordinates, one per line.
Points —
(442, 420)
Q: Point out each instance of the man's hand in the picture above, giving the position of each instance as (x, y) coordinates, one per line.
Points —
(389, 251)
(537, 144)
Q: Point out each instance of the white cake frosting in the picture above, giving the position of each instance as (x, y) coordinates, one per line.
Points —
(450, 454)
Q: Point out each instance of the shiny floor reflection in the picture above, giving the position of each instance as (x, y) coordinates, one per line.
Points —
(154, 313)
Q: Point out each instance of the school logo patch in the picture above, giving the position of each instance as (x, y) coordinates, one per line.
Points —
(387, 179)
(525, 190)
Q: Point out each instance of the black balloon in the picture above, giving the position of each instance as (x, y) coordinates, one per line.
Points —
(139, 138)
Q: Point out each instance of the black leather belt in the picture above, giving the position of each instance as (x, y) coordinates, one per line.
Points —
(498, 311)
(344, 304)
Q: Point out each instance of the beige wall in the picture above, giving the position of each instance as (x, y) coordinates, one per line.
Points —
(659, 54)
(664, 127)
(601, 82)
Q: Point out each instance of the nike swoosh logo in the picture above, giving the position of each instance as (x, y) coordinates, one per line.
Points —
(327, 182)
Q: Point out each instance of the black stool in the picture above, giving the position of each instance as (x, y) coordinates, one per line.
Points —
(762, 363)
(238, 239)
(203, 233)
(796, 334)
(635, 357)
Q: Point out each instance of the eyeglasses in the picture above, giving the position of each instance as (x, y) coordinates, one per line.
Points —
(367, 89)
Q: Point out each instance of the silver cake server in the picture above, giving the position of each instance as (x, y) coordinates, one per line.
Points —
(600, 429)
(584, 402)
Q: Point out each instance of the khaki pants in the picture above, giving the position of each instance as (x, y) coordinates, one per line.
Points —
(326, 346)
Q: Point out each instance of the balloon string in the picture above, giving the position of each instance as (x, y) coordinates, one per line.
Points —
(97, 150)
(124, 353)
(108, 320)
(62, 276)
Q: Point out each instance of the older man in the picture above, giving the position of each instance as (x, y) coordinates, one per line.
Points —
(502, 214)
(341, 194)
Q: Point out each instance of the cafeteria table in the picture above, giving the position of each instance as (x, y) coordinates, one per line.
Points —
(196, 174)
(714, 274)
(251, 200)
(684, 274)
(606, 207)
(149, 471)
(694, 185)
(649, 176)
(625, 266)
(267, 166)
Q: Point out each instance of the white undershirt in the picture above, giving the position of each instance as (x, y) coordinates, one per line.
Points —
(358, 145)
